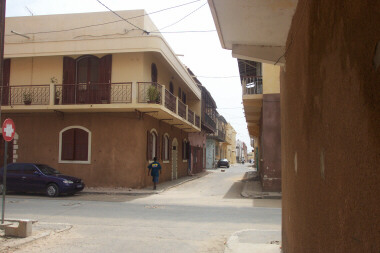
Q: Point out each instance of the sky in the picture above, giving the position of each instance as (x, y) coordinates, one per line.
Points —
(202, 51)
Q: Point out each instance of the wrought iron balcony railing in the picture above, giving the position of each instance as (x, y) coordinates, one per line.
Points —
(208, 122)
(94, 93)
(190, 116)
(97, 93)
(252, 85)
(25, 94)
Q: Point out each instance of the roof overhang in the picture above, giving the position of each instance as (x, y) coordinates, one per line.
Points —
(254, 30)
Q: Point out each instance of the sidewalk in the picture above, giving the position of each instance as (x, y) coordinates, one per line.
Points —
(161, 187)
(252, 188)
(40, 230)
(254, 241)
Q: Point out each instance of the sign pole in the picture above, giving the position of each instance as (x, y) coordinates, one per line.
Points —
(4, 179)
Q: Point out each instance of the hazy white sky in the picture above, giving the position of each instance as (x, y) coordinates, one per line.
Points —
(202, 52)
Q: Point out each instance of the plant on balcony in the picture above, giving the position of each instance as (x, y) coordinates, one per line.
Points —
(153, 95)
(27, 98)
(57, 96)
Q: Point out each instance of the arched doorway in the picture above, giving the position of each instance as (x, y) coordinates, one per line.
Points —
(174, 159)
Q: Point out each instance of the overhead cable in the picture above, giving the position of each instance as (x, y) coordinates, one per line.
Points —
(117, 21)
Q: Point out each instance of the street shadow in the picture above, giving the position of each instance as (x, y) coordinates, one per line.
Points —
(235, 191)
(79, 196)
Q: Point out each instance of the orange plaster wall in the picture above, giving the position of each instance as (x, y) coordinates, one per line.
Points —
(330, 119)
(118, 146)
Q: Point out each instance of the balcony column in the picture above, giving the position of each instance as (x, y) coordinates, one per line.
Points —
(176, 105)
(163, 93)
(52, 94)
(135, 92)
(187, 112)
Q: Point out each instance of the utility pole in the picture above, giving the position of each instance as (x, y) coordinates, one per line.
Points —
(2, 30)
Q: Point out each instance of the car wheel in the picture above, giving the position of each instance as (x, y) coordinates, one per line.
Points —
(228, 166)
(52, 190)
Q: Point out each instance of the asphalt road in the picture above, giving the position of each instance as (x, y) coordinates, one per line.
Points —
(197, 216)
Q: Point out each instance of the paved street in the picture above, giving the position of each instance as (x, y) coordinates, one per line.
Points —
(198, 216)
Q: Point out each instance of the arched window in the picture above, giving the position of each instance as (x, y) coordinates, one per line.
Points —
(185, 149)
(171, 88)
(75, 145)
(165, 148)
(154, 73)
(88, 69)
(152, 145)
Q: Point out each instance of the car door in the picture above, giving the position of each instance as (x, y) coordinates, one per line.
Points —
(14, 177)
(33, 179)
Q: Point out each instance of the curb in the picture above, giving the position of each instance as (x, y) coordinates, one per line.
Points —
(17, 242)
(145, 192)
(258, 195)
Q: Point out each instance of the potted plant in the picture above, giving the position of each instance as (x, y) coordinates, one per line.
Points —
(27, 98)
(153, 95)
(57, 96)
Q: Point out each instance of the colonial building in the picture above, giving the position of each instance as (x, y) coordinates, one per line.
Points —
(214, 147)
(208, 126)
(261, 101)
(98, 102)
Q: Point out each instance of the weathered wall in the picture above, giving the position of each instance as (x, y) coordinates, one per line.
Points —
(330, 109)
(270, 166)
(210, 153)
(118, 155)
(271, 79)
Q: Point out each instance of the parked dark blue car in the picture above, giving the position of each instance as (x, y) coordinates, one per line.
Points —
(40, 178)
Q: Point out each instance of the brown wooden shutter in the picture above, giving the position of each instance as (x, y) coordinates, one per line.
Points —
(69, 72)
(81, 145)
(170, 149)
(183, 150)
(6, 77)
(67, 152)
(163, 148)
(158, 147)
(188, 150)
(105, 72)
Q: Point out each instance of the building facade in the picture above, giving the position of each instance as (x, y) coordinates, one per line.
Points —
(98, 104)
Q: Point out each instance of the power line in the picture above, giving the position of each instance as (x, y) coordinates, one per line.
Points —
(117, 21)
(205, 31)
(216, 76)
(181, 18)
(121, 17)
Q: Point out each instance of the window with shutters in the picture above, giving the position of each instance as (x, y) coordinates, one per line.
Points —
(152, 145)
(185, 150)
(154, 73)
(165, 147)
(75, 145)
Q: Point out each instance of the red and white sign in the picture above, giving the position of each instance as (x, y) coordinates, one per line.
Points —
(9, 130)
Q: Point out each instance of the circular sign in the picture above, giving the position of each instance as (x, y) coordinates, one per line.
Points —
(9, 130)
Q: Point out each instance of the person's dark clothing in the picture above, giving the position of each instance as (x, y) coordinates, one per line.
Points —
(155, 168)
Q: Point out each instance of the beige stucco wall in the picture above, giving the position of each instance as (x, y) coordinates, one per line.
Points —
(126, 67)
(271, 79)
(115, 38)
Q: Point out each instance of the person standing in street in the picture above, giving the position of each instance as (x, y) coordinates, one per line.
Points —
(154, 171)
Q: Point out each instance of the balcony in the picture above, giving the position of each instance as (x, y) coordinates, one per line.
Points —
(140, 97)
(208, 123)
(252, 85)
(219, 136)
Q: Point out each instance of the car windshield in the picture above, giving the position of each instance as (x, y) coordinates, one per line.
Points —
(47, 170)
